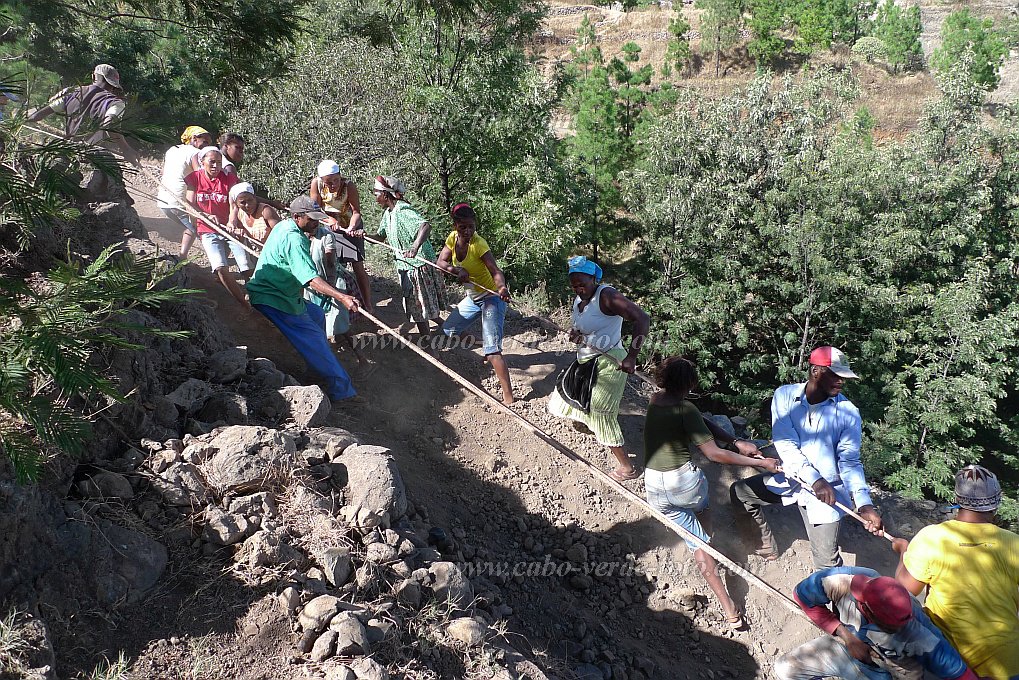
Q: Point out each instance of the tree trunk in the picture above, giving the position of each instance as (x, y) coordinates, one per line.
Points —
(718, 53)
(447, 198)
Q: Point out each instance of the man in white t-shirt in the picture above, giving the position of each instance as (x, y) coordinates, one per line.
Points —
(178, 163)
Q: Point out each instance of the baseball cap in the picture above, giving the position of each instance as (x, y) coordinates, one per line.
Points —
(328, 167)
(888, 604)
(833, 358)
(107, 73)
(303, 205)
(977, 489)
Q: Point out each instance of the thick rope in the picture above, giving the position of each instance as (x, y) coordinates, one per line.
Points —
(593, 469)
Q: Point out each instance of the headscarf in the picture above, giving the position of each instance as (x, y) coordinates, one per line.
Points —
(977, 489)
(206, 151)
(192, 131)
(391, 185)
(328, 167)
(581, 265)
(462, 210)
(240, 188)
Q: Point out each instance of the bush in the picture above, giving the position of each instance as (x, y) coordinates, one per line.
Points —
(870, 49)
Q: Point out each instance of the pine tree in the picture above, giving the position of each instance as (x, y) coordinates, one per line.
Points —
(678, 52)
(766, 18)
(721, 24)
(899, 30)
(964, 32)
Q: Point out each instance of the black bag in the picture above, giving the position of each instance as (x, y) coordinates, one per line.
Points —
(576, 384)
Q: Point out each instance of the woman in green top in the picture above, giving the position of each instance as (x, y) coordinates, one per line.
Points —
(675, 486)
(403, 228)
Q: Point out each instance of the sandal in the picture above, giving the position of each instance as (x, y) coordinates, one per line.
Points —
(768, 550)
(626, 476)
(736, 622)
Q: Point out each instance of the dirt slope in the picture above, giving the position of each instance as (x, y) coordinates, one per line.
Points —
(505, 498)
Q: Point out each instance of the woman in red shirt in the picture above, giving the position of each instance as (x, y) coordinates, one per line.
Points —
(209, 193)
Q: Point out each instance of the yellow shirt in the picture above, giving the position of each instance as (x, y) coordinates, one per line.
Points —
(473, 263)
(973, 574)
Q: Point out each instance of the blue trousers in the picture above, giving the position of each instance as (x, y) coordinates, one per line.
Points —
(306, 332)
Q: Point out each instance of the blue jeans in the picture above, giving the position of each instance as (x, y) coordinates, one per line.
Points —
(306, 332)
(680, 495)
(492, 309)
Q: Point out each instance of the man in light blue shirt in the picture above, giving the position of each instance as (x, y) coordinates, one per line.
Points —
(817, 432)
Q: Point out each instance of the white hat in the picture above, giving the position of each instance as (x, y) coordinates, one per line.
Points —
(328, 167)
(107, 73)
(241, 188)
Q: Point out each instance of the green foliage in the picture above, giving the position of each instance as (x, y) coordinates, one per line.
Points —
(777, 226)
(721, 23)
(767, 17)
(53, 330)
(585, 51)
(823, 23)
(898, 29)
(180, 57)
(678, 53)
(870, 49)
(964, 33)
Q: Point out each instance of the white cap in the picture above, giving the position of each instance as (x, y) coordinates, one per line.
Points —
(328, 167)
(107, 73)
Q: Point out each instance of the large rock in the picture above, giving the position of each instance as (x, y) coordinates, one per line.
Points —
(182, 484)
(125, 563)
(334, 440)
(325, 646)
(309, 406)
(335, 562)
(340, 673)
(351, 636)
(369, 669)
(223, 528)
(106, 485)
(470, 632)
(228, 365)
(226, 407)
(317, 613)
(449, 584)
(374, 482)
(249, 459)
(191, 394)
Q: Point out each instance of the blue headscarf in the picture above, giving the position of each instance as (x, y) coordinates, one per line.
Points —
(581, 265)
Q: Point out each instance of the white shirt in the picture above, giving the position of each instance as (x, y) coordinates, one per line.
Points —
(176, 166)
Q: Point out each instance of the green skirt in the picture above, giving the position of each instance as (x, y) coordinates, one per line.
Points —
(605, 398)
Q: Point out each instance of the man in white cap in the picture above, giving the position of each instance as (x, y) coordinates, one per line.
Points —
(90, 112)
(817, 433)
(971, 569)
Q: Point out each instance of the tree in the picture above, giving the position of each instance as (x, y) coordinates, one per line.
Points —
(586, 52)
(629, 82)
(721, 24)
(678, 53)
(899, 31)
(776, 227)
(179, 56)
(767, 17)
(963, 32)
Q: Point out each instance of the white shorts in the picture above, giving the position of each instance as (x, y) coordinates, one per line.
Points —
(218, 249)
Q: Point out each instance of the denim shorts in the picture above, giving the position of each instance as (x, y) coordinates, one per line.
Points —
(679, 495)
(492, 309)
(176, 215)
(218, 249)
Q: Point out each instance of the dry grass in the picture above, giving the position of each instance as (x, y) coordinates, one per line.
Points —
(13, 645)
(111, 670)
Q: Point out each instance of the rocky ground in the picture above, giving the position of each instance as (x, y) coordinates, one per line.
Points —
(232, 524)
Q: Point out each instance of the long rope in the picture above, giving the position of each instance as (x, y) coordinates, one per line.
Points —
(593, 469)
(852, 513)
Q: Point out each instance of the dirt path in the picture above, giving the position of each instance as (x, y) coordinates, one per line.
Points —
(509, 499)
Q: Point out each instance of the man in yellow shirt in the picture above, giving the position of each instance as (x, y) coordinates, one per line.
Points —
(971, 568)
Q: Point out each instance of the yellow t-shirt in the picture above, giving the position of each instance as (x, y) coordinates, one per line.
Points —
(973, 574)
(473, 263)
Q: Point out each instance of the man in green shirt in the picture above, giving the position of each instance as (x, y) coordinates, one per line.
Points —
(276, 289)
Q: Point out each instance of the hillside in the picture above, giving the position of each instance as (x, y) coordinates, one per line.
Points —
(894, 100)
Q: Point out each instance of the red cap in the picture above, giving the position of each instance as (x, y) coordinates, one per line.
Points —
(833, 358)
(888, 604)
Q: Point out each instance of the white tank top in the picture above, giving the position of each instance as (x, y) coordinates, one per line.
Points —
(600, 330)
